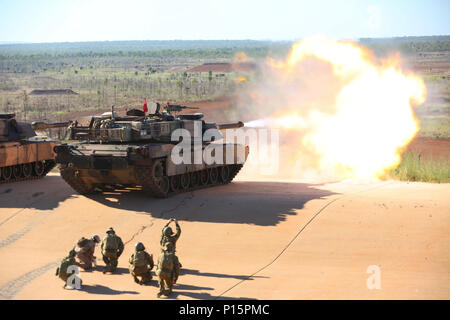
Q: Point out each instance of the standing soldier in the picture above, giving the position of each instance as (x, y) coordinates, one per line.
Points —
(85, 251)
(141, 264)
(168, 235)
(63, 272)
(112, 248)
(168, 269)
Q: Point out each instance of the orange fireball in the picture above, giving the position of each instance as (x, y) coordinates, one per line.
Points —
(353, 113)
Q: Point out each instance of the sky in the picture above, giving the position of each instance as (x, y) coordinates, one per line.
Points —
(99, 20)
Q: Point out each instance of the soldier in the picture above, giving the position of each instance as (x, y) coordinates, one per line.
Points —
(141, 264)
(85, 251)
(62, 270)
(112, 248)
(168, 235)
(168, 270)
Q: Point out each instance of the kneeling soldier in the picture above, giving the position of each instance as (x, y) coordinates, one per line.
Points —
(112, 248)
(141, 264)
(85, 251)
(67, 263)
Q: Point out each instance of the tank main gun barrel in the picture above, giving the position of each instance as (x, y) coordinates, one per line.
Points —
(235, 125)
(43, 125)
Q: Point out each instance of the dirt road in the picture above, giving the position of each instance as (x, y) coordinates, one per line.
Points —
(263, 240)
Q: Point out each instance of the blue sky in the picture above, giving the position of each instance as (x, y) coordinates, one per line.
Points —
(95, 20)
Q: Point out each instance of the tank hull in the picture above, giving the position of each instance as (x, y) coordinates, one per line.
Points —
(25, 160)
(91, 167)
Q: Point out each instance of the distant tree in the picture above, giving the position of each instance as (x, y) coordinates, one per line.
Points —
(25, 104)
(180, 87)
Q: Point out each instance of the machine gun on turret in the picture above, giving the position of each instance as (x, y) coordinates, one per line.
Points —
(176, 108)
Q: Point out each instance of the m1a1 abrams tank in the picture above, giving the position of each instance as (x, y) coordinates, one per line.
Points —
(23, 155)
(136, 150)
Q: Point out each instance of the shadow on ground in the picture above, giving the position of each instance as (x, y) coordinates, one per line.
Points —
(180, 290)
(43, 194)
(118, 271)
(216, 275)
(259, 203)
(99, 289)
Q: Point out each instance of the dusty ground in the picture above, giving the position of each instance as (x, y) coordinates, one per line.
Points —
(295, 240)
(436, 148)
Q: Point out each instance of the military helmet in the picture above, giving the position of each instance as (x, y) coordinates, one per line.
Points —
(139, 246)
(167, 231)
(96, 238)
(168, 247)
(110, 231)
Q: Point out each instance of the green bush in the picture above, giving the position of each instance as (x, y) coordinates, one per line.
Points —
(415, 167)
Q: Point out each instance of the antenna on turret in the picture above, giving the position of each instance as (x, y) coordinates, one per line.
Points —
(112, 112)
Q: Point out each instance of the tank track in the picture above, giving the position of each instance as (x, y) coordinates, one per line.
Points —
(147, 181)
(145, 178)
(75, 182)
(49, 165)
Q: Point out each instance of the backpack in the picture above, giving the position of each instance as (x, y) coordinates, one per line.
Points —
(83, 244)
(140, 259)
(167, 262)
(111, 243)
(65, 263)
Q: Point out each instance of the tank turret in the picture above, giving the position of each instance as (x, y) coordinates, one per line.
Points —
(135, 126)
(23, 155)
(136, 149)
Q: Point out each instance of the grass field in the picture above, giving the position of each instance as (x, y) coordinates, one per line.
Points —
(415, 167)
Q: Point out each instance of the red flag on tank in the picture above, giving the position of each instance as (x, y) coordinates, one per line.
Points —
(144, 108)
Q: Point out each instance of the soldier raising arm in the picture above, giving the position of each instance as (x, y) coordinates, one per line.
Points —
(168, 235)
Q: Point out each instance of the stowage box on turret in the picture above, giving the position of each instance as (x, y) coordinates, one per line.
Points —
(23, 155)
(138, 150)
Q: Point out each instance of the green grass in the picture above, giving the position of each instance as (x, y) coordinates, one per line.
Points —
(414, 167)
(435, 127)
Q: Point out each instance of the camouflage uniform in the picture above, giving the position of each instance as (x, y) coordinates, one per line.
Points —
(85, 251)
(112, 247)
(168, 270)
(68, 261)
(141, 264)
(165, 238)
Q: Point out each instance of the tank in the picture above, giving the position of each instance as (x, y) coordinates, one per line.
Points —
(136, 150)
(23, 154)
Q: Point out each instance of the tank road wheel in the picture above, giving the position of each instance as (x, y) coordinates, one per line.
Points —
(39, 168)
(6, 173)
(204, 177)
(73, 180)
(17, 171)
(26, 169)
(225, 174)
(195, 179)
(160, 180)
(213, 175)
(174, 183)
(185, 181)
